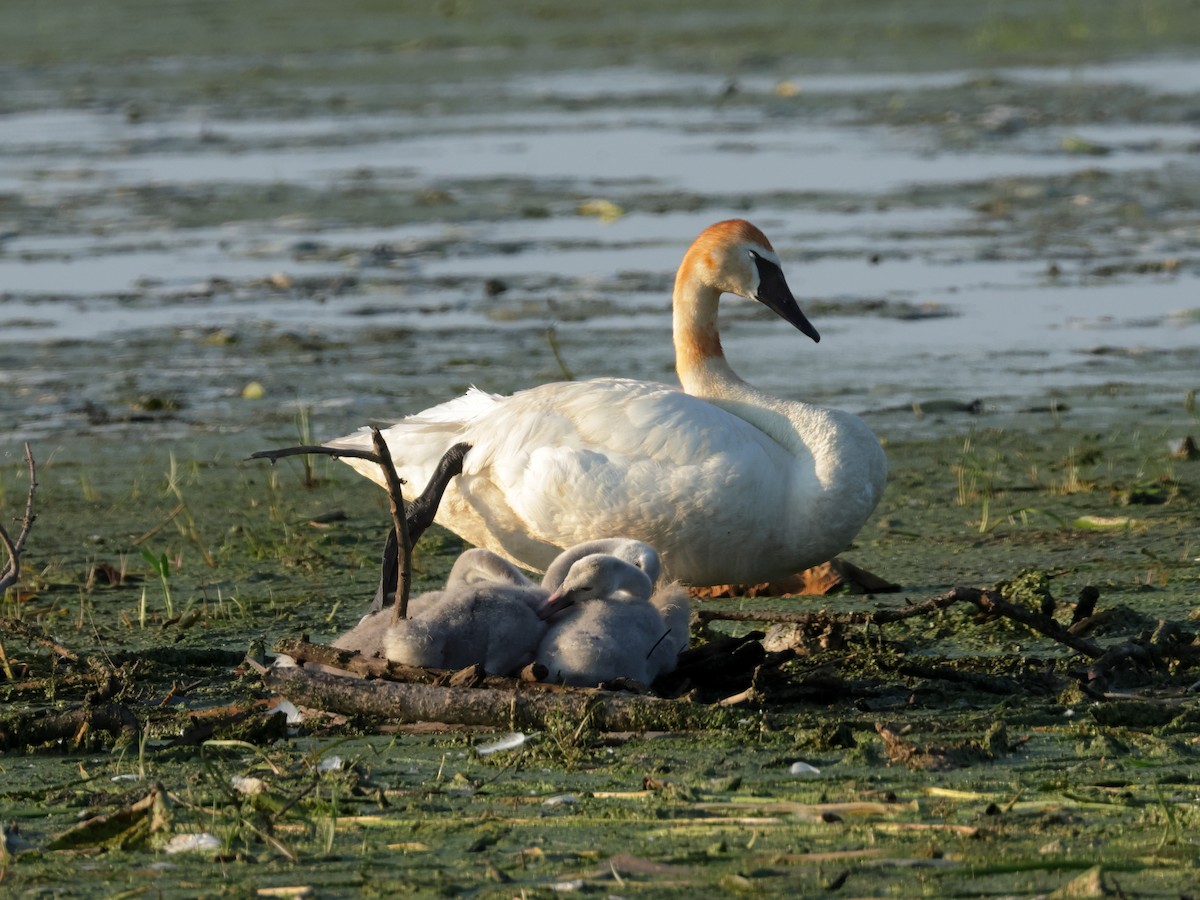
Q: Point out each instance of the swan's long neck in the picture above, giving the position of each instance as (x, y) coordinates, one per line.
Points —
(704, 372)
(699, 360)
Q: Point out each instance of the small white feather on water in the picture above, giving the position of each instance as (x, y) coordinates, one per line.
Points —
(803, 768)
(288, 709)
(508, 742)
(330, 764)
(193, 843)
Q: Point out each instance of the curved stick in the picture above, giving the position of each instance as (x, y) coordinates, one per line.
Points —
(404, 543)
(382, 458)
(410, 524)
(419, 516)
(12, 568)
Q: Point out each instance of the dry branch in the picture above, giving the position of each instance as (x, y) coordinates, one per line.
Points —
(404, 543)
(252, 723)
(304, 651)
(992, 602)
(37, 689)
(407, 527)
(517, 706)
(1168, 644)
(394, 484)
(990, 684)
(37, 728)
(12, 568)
(35, 635)
(989, 601)
(881, 616)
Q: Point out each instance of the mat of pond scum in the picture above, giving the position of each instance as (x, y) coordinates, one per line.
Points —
(1003, 268)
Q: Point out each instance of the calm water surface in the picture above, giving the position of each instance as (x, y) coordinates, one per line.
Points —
(918, 288)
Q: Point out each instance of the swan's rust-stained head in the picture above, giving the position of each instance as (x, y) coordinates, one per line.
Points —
(720, 255)
(735, 257)
(732, 232)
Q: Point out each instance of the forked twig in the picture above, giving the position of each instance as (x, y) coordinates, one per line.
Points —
(399, 522)
(12, 568)
(881, 616)
(382, 458)
(992, 602)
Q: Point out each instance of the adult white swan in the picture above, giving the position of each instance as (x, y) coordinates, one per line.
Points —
(729, 483)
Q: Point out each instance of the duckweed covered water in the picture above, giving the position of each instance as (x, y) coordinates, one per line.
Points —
(989, 213)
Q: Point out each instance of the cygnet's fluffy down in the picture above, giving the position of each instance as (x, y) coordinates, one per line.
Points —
(610, 632)
(489, 623)
(367, 636)
(673, 604)
(635, 553)
(483, 614)
(478, 566)
(671, 599)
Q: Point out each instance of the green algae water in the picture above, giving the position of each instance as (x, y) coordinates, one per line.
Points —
(225, 229)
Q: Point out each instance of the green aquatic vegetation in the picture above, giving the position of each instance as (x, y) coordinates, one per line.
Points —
(304, 437)
(1023, 516)
(1030, 588)
(974, 473)
(90, 494)
(1072, 481)
(160, 566)
(182, 516)
(1076, 797)
(408, 810)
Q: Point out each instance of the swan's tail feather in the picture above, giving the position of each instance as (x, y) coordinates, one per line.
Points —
(418, 443)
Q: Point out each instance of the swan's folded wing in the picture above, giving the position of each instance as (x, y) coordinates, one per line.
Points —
(635, 458)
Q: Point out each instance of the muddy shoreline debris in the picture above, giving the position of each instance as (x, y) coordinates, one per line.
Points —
(714, 679)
